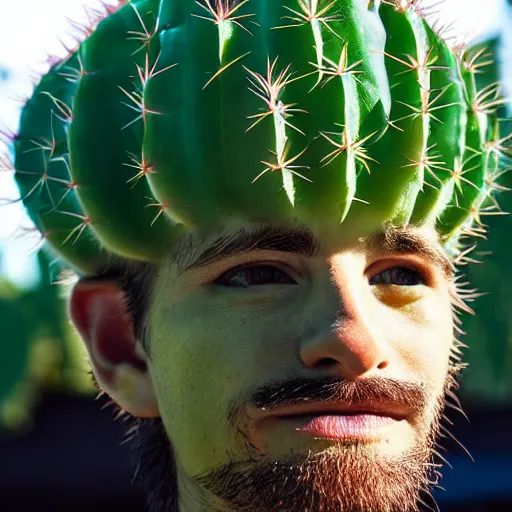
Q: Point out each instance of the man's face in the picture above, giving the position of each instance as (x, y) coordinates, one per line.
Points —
(307, 373)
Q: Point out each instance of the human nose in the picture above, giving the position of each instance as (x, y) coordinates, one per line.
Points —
(346, 335)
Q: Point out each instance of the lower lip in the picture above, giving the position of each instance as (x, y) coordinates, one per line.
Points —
(342, 426)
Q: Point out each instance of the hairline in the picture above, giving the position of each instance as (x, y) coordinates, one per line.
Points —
(191, 252)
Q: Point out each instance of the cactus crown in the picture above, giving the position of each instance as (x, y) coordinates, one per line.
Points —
(182, 113)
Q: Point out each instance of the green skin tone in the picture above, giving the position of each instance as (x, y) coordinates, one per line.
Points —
(228, 342)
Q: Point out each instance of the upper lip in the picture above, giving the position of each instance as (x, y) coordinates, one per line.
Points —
(395, 411)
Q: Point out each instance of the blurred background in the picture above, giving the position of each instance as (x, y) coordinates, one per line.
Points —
(60, 449)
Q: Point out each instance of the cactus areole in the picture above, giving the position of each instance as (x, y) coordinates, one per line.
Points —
(181, 115)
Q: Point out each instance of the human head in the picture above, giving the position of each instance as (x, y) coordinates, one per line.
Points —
(206, 358)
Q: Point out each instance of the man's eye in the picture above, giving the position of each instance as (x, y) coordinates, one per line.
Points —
(400, 276)
(243, 277)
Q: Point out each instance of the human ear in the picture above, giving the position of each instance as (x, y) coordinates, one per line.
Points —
(97, 310)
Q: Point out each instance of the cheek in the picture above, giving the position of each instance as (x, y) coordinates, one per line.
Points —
(206, 354)
(225, 337)
(424, 334)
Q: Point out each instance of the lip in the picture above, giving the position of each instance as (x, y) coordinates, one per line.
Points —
(322, 420)
(390, 410)
(362, 427)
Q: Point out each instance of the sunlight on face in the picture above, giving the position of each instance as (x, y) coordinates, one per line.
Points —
(258, 356)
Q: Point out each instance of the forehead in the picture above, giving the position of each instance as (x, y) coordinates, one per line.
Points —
(201, 248)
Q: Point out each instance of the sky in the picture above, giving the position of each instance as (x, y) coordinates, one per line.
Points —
(32, 30)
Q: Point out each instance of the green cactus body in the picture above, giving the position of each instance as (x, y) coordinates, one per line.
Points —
(42, 167)
(447, 138)
(184, 114)
(470, 171)
(399, 151)
(105, 141)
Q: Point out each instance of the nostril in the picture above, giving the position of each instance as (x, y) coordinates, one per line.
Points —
(329, 361)
(326, 361)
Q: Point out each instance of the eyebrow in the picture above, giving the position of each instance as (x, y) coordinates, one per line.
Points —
(297, 240)
(406, 240)
(301, 240)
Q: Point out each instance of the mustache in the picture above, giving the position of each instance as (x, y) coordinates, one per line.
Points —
(412, 394)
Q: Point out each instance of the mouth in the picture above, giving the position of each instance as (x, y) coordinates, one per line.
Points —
(363, 421)
(362, 426)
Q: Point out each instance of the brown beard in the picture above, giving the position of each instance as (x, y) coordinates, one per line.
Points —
(350, 480)
(345, 478)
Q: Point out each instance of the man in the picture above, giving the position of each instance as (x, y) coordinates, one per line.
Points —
(303, 373)
(285, 344)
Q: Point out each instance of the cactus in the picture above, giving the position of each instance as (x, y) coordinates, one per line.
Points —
(180, 114)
